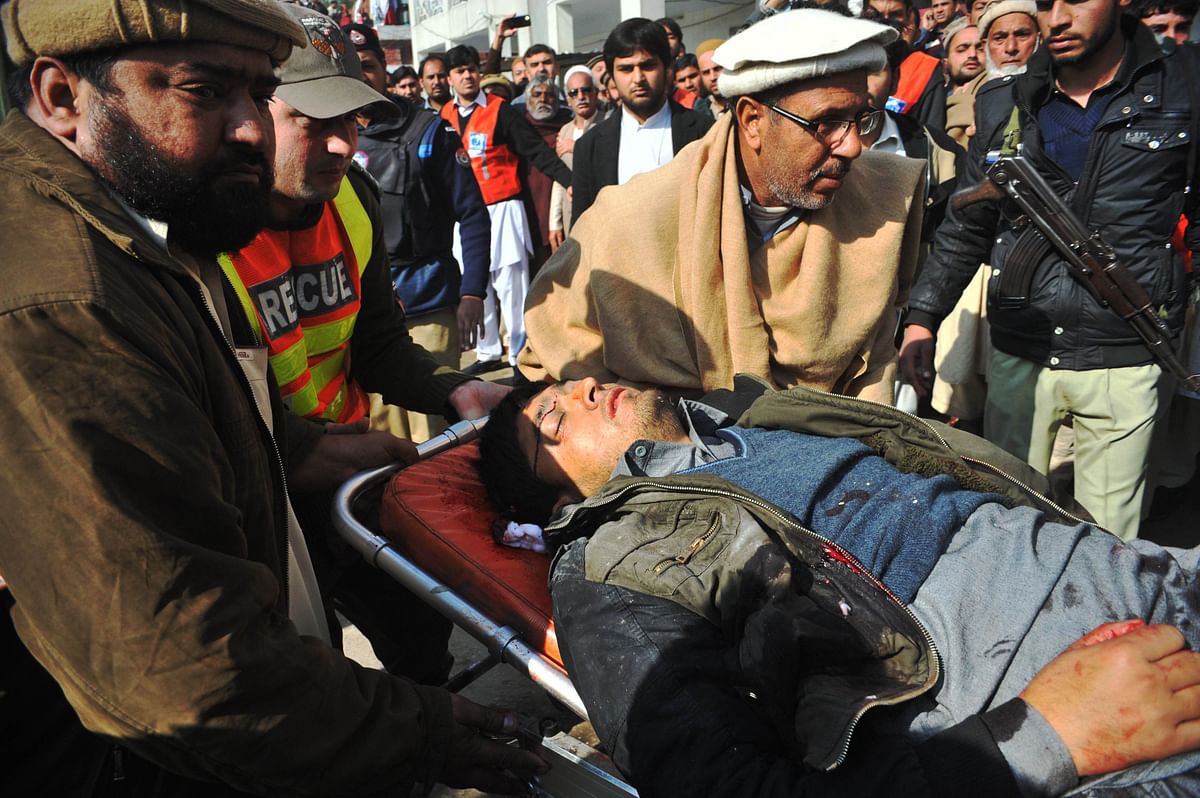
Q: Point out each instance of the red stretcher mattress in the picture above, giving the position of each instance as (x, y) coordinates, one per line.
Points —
(437, 513)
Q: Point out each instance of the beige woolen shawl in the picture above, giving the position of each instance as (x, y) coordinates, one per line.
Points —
(657, 285)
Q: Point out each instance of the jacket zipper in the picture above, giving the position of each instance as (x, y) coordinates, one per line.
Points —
(283, 552)
(693, 549)
(828, 547)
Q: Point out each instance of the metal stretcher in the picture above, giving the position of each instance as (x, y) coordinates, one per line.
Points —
(428, 526)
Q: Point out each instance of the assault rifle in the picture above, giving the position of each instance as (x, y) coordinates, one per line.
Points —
(1091, 261)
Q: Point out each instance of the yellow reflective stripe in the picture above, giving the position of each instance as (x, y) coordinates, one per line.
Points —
(290, 363)
(325, 370)
(356, 221)
(243, 295)
(303, 402)
(333, 410)
(326, 337)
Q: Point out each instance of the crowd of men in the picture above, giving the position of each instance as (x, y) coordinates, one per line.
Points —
(263, 251)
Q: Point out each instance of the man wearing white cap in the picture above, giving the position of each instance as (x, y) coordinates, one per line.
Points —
(1009, 31)
(768, 247)
(581, 90)
(160, 632)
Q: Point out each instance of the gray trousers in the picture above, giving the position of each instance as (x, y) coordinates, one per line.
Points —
(1013, 591)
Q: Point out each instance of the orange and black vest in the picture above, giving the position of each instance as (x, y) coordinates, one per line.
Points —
(915, 72)
(495, 164)
(301, 291)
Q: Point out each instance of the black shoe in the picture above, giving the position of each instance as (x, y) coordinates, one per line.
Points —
(481, 367)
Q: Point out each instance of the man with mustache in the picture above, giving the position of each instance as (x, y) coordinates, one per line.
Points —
(758, 249)
(160, 621)
(1107, 118)
(801, 594)
(583, 97)
(316, 286)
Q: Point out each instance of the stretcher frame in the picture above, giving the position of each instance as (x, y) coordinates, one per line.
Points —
(571, 774)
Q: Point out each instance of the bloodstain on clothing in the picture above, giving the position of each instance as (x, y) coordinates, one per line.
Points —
(854, 495)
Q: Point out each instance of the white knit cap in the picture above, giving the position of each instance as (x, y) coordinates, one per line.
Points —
(799, 45)
(578, 69)
(956, 26)
(1000, 8)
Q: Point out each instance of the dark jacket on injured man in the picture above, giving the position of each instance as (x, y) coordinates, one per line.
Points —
(853, 563)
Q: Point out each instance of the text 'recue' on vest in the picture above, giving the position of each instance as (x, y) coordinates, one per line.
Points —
(495, 164)
(301, 291)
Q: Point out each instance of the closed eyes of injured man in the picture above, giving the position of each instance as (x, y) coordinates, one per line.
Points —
(732, 598)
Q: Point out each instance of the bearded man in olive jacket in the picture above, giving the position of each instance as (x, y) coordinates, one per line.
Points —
(165, 628)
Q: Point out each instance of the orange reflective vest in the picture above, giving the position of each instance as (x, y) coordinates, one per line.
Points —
(301, 291)
(495, 164)
(915, 72)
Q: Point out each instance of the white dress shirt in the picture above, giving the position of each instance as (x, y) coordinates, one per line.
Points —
(644, 146)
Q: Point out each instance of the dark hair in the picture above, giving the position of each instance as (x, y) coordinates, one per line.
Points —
(686, 60)
(671, 25)
(462, 55)
(404, 71)
(1184, 8)
(432, 57)
(535, 49)
(505, 470)
(638, 33)
(897, 50)
(94, 67)
(870, 13)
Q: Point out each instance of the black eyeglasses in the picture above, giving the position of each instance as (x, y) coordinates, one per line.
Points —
(833, 131)
(581, 90)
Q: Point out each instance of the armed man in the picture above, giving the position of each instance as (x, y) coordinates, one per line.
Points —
(1105, 116)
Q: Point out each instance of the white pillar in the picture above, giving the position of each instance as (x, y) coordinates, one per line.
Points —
(561, 24)
(650, 9)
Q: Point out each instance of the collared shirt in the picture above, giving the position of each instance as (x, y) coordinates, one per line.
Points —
(644, 145)
(659, 458)
(889, 137)
(767, 222)
(469, 108)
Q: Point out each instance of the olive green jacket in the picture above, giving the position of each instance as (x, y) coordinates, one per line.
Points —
(758, 574)
(143, 534)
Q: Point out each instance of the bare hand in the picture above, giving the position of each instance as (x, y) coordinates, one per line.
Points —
(470, 322)
(564, 145)
(556, 239)
(503, 32)
(477, 398)
(343, 451)
(474, 761)
(1124, 693)
(916, 358)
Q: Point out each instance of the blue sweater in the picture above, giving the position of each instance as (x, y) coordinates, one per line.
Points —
(896, 524)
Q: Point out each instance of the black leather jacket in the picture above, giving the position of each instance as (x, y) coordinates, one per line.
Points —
(1131, 191)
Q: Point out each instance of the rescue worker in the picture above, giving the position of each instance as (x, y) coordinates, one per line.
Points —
(316, 287)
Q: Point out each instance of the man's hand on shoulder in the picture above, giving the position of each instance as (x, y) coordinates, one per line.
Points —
(1124, 693)
(472, 760)
(476, 398)
(343, 451)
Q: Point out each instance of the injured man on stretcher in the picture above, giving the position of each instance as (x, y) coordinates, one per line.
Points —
(830, 597)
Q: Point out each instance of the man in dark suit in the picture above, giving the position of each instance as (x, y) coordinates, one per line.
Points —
(650, 128)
